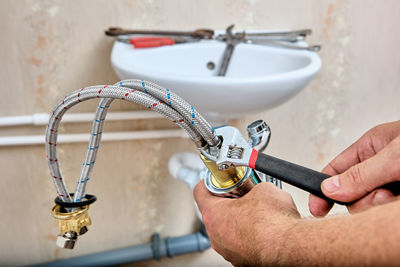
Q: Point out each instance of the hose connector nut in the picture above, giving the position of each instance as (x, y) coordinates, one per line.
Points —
(67, 240)
(71, 224)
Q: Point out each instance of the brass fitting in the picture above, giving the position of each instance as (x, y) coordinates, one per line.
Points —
(71, 224)
(223, 178)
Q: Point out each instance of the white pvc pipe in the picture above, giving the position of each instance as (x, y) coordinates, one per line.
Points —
(43, 118)
(78, 138)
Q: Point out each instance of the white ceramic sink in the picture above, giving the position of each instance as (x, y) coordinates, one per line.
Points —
(258, 77)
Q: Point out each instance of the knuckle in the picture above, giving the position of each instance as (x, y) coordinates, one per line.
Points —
(362, 204)
(379, 130)
(261, 189)
(393, 155)
(331, 168)
(354, 175)
(264, 186)
(374, 131)
(366, 145)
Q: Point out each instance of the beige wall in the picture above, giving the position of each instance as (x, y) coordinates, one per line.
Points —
(49, 48)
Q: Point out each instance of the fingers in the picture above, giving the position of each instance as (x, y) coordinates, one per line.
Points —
(371, 143)
(204, 198)
(376, 197)
(387, 131)
(318, 207)
(343, 161)
(367, 146)
(364, 177)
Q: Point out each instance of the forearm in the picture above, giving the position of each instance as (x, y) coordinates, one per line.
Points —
(368, 238)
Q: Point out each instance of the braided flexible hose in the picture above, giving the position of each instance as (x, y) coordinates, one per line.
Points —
(150, 88)
(132, 93)
(101, 113)
(179, 104)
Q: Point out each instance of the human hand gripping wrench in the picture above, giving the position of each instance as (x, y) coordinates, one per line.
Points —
(231, 170)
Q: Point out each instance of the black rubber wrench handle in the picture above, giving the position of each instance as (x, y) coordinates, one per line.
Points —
(299, 176)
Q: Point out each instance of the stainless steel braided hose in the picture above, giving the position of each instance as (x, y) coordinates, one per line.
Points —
(141, 92)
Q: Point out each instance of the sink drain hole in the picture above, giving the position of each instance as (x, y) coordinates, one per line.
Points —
(210, 65)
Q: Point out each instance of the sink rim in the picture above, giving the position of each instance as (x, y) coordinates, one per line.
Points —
(309, 69)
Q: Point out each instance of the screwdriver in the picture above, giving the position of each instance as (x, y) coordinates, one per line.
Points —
(148, 42)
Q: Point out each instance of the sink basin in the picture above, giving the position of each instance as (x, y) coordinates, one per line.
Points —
(258, 78)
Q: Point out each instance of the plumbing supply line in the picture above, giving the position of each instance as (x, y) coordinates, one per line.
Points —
(84, 137)
(158, 92)
(141, 92)
(38, 119)
(85, 94)
(159, 248)
(179, 104)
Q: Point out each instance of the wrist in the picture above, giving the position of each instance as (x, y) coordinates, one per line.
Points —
(274, 248)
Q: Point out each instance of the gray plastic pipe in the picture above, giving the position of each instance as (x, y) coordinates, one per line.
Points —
(157, 249)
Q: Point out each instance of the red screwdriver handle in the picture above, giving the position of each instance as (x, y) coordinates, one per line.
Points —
(148, 42)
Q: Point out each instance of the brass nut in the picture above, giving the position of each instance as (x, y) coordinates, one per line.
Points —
(67, 240)
(71, 224)
(223, 178)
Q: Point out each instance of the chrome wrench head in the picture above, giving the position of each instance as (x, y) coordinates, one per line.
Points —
(231, 41)
(234, 150)
(234, 38)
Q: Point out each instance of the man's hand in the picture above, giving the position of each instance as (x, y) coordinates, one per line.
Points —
(359, 171)
(251, 229)
(264, 227)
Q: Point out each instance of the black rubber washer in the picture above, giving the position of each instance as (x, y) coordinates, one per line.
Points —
(89, 199)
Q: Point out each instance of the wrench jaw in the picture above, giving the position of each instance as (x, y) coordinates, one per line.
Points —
(239, 36)
(228, 173)
(235, 151)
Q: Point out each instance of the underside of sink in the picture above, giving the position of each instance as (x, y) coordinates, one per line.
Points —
(259, 77)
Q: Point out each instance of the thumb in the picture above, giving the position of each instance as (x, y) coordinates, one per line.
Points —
(364, 177)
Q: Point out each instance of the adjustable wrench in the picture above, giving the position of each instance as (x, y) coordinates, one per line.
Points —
(231, 41)
(296, 175)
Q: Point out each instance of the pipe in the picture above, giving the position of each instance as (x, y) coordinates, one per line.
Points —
(186, 166)
(43, 118)
(159, 248)
(78, 138)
